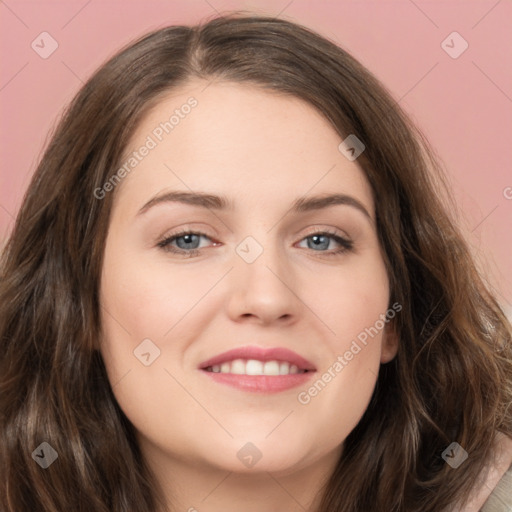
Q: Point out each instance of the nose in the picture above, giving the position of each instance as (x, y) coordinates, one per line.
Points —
(263, 291)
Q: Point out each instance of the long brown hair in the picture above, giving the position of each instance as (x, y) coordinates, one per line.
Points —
(450, 381)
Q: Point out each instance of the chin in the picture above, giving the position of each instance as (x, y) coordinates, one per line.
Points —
(268, 463)
(259, 455)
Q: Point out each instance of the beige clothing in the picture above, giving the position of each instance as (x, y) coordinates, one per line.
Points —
(500, 500)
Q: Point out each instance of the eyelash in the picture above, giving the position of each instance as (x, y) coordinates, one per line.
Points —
(346, 244)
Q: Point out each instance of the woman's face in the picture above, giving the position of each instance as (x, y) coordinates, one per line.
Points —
(252, 168)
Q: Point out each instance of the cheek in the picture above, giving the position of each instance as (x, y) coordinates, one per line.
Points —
(337, 398)
(139, 306)
(144, 301)
(147, 300)
(350, 300)
(353, 305)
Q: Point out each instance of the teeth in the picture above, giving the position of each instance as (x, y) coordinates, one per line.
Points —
(255, 367)
(238, 367)
(271, 368)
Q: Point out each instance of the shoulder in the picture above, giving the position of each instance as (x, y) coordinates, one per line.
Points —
(495, 481)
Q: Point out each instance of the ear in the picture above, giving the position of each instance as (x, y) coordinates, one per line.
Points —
(389, 346)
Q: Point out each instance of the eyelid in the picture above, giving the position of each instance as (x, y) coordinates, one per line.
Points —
(331, 231)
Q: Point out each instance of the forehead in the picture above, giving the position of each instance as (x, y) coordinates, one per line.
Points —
(239, 140)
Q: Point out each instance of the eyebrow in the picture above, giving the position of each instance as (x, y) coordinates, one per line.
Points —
(215, 202)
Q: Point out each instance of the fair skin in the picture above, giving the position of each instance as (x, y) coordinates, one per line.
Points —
(261, 151)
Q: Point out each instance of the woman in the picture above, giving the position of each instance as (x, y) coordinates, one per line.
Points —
(233, 284)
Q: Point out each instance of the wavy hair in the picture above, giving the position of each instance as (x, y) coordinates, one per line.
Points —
(450, 380)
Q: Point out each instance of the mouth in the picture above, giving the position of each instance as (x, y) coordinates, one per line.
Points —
(258, 369)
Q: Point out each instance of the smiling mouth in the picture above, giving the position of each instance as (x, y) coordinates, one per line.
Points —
(254, 367)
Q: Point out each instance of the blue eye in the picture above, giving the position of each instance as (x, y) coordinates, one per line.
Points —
(322, 240)
(186, 243)
(189, 240)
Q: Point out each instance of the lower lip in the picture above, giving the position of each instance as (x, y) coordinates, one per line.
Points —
(261, 383)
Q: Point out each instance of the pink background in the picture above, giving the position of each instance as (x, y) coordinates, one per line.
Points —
(463, 105)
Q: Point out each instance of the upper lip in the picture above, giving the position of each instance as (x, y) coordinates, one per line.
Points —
(260, 354)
